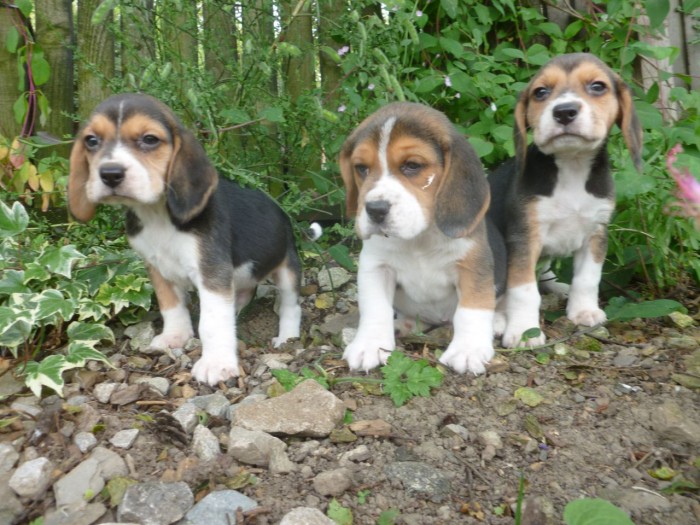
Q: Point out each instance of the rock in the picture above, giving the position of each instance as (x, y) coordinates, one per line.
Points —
(111, 463)
(124, 438)
(347, 336)
(204, 444)
(672, 424)
(333, 278)
(455, 430)
(306, 516)
(682, 342)
(32, 478)
(159, 384)
(141, 335)
(276, 361)
(186, 415)
(681, 320)
(538, 511)
(371, 427)
(10, 505)
(356, 455)
(280, 463)
(79, 513)
(213, 404)
(8, 457)
(125, 394)
(155, 503)
(334, 323)
(333, 482)
(342, 435)
(28, 405)
(420, 479)
(637, 502)
(492, 438)
(85, 441)
(218, 508)
(252, 447)
(626, 357)
(81, 484)
(308, 410)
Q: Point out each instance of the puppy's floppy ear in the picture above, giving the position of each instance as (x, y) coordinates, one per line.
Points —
(520, 128)
(78, 204)
(629, 123)
(346, 171)
(463, 197)
(191, 177)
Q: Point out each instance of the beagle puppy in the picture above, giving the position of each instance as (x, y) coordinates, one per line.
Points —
(420, 196)
(556, 197)
(192, 227)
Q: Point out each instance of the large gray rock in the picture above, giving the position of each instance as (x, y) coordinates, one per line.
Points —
(8, 457)
(306, 516)
(333, 482)
(82, 483)
(32, 478)
(673, 425)
(218, 508)
(204, 444)
(213, 404)
(308, 410)
(333, 278)
(420, 479)
(111, 463)
(79, 513)
(253, 447)
(10, 505)
(155, 503)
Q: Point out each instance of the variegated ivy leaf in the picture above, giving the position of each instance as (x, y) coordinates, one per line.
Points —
(89, 333)
(12, 220)
(12, 282)
(15, 326)
(78, 353)
(34, 271)
(48, 373)
(52, 303)
(90, 309)
(60, 260)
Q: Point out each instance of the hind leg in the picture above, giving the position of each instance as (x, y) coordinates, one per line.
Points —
(287, 278)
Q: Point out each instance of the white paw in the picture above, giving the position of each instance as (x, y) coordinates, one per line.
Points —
(281, 339)
(171, 340)
(367, 354)
(499, 323)
(216, 366)
(588, 317)
(463, 358)
(513, 337)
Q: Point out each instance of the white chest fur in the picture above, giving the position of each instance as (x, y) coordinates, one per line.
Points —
(570, 215)
(174, 253)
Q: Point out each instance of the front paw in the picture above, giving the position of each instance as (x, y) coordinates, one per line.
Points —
(467, 358)
(513, 337)
(215, 366)
(366, 354)
(590, 317)
(171, 340)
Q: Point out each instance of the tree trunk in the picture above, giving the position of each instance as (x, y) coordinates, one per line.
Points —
(297, 26)
(220, 44)
(9, 93)
(54, 29)
(179, 29)
(331, 74)
(138, 48)
(95, 58)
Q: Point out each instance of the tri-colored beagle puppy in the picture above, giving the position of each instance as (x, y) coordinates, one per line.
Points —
(420, 196)
(191, 227)
(556, 197)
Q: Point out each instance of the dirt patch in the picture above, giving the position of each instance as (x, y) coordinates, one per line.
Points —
(607, 413)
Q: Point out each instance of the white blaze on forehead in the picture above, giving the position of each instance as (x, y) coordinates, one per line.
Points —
(384, 136)
(120, 118)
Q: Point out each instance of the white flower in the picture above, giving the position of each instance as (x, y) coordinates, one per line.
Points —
(419, 13)
(493, 107)
(341, 108)
(370, 87)
(448, 81)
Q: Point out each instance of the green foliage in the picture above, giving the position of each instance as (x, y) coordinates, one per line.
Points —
(289, 379)
(341, 515)
(621, 310)
(593, 511)
(388, 517)
(56, 299)
(405, 378)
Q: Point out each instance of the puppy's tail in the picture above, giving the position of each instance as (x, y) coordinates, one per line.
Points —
(314, 231)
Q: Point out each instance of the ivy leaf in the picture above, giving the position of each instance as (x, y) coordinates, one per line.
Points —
(51, 303)
(60, 260)
(12, 220)
(593, 511)
(89, 333)
(12, 282)
(48, 373)
(79, 353)
(15, 326)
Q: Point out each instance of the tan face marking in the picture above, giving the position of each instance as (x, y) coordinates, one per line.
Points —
(138, 133)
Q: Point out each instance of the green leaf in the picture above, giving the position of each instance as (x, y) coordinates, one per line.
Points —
(341, 254)
(341, 515)
(12, 220)
(624, 311)
(272, 114)
(51, 303)
(78, 354)
(388, 517)
(594, 511)
(89, 333)
(15, 326)
(428, 83)
(19, 108)
(287, 379)
(657, 11)
(453, 47)
(529, 396)
(60, 260)
(405, 378)
(481, 146)
(530, 333)
(573, 29)
(12, 39)
(12, 282)
(450, 7)
(26, 6)
(48, 372)
(41, 70)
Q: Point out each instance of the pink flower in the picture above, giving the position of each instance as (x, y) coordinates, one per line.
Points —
(343, 50)
(688, 186)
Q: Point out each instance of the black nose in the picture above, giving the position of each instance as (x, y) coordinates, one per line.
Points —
(378, 210)
(566, 113)
(112, 174)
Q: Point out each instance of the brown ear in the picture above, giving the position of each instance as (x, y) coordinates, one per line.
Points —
(628, 122)
(346, 172)
(191, 178)
(463, 196)
(78, 204)
(520, 128)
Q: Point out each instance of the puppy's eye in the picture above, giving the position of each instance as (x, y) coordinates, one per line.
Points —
(541, 93)
(150, 141)
(410, 168)
(597, 88)
(91, 142)
(361, 170)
